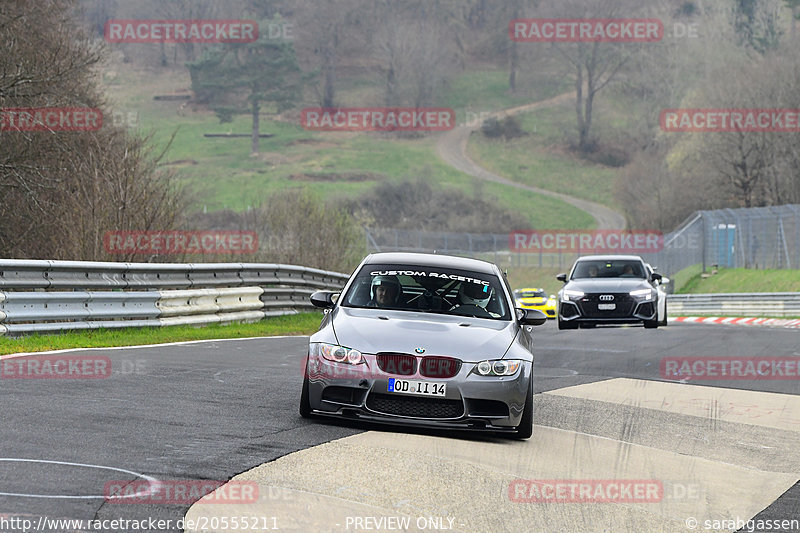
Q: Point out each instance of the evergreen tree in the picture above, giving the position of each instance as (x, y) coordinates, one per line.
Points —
(241, 78)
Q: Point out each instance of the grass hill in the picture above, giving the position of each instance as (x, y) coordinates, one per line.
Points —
(221, 174)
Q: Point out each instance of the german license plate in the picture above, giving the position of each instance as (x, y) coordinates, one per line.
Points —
(421, 388)
(606, 307)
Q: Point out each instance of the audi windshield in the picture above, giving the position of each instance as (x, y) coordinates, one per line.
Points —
(608, 269)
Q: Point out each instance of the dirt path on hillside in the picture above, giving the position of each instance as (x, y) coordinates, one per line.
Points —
(452, 148)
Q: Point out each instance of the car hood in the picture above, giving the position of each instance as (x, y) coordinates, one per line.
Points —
(608, 285)
(469, 339)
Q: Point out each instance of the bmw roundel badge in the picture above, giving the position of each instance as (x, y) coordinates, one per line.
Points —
(420, 350)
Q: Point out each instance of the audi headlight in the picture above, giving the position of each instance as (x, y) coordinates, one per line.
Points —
(647, 294)
(570, 294)
(499, 367)
(340, 354)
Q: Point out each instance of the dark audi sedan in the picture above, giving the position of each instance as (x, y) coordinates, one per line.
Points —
(609, 289)
(425, 340)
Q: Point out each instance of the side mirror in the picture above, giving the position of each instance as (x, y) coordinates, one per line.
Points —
(531, 317)
(655, 276)
(562, 277)
(324, 299)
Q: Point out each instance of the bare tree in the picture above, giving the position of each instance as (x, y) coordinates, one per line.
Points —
(654, 196)
(752, 168)
(417, 51)
(328, 31)
(62, 190)
(514, 9)
(297, 228)
(793, 6)
(183, 10)
(757, 23)
(592, 65)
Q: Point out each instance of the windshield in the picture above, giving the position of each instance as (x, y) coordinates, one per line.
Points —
(608, 269)
(428, 289)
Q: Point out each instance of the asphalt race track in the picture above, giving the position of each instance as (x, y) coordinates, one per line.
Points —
(213, 410)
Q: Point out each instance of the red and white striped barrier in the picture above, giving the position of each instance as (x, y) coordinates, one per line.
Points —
(739, 321)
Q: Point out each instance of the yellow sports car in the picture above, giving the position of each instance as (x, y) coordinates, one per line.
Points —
(536, 299)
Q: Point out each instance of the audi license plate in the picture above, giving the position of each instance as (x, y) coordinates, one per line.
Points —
(606, 307)
(422, 388)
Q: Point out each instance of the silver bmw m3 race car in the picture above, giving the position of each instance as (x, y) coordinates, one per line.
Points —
(423, 340)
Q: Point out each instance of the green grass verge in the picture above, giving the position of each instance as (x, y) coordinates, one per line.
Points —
(682, 277)
(219, 173)
(728, 280)
(487, 91)
(536, 159)
(299, 324)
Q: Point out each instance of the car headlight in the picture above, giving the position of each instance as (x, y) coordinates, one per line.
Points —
(340, 354)
(570, 294)
(647, 294)
(498, 367)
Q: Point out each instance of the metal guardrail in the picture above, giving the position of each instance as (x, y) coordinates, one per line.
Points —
(49, 296)
(22, 274)
(772, 304)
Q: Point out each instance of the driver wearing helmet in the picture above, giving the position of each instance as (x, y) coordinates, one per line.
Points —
(384, 291)
(474, 295)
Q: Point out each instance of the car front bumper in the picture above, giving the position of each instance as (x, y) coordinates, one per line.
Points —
(471, 402)
(550, 311)
(629, 311)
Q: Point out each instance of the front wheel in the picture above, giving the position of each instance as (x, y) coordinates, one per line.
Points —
(651, 324)
(305, 404)
(663, 322)
(525, 427)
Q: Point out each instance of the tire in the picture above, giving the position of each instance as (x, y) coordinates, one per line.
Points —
(566, 325)
(305, 404)
(525, 427)
(664, 322)
(651, 324)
